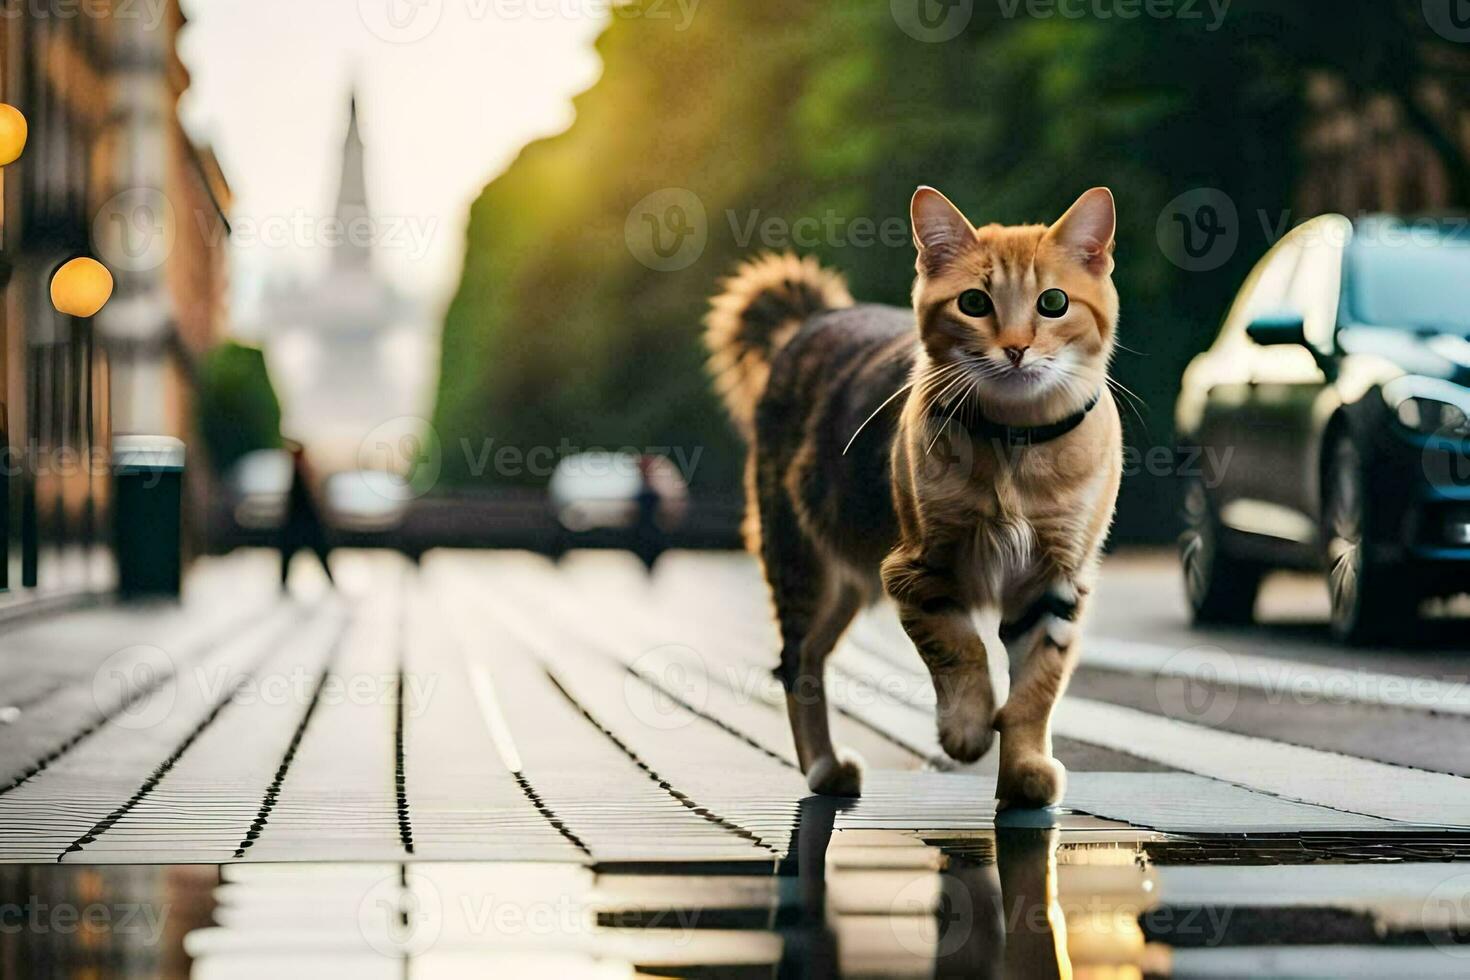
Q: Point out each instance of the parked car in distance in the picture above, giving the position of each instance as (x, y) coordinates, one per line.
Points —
(629, 500)
(1328, 426)
(599, 490)
(256, 489)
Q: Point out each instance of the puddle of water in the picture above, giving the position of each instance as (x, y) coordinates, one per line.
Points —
(90, 921)
(1019, 902)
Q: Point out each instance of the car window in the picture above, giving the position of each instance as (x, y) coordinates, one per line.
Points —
(1316, 285)
(1265, 291)
(1234, 358)
(1411, 279)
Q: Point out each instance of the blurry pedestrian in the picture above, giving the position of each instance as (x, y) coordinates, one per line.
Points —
(303, 527)
(649, 540)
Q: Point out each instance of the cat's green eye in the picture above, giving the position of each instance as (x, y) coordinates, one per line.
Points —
(976, 303)
(1053, 303)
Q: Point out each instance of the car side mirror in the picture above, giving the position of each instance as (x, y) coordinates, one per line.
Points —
(1278, 329)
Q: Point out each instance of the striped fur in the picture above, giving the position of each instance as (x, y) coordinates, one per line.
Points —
(858, 484)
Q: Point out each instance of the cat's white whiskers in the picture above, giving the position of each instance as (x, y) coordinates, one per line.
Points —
(957, 403)
(949, 375)
(1131, 400)
(941, 397)
(952, 379)
(886, 402)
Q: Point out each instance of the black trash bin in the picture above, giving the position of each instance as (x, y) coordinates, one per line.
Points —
(147, 499)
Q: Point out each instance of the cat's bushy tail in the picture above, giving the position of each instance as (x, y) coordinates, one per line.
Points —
(756, 312)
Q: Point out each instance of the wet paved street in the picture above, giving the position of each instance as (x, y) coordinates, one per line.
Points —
(493, 763)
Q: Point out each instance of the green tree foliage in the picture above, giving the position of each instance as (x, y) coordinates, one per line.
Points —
(237, 407)
(790, 109)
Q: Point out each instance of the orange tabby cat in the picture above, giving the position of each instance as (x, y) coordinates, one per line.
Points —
(962, 457)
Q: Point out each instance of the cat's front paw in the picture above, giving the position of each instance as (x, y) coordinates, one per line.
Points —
(1032, 781)
(967, 734)
(841, 775)
(966, 713)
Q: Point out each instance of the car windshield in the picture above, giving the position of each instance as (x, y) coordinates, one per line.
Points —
(1411, 281)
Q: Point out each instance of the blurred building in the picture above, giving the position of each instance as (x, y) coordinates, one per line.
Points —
(346, 349)
(109, 172)
(1374, 152)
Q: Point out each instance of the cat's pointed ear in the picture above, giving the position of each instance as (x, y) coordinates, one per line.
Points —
(1087, 230)
(940, 230)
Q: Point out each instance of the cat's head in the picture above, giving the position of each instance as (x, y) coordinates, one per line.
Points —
(1027, 313)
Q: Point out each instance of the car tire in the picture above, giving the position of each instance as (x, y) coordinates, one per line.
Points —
(1221, 588)
(1372, 601)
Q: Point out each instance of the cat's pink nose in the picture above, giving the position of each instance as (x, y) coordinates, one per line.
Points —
(1016, 354)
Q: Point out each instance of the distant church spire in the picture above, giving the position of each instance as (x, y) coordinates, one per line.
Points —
(352, 200)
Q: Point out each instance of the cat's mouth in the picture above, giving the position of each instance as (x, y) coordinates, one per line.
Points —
(1029, 376)
(977, 375)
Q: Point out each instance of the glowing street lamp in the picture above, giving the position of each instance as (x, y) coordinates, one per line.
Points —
(81, 287)
(13, 132)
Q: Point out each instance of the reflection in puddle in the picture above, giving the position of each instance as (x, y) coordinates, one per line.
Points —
(898, 906)
(1032, 903)
(97, 922)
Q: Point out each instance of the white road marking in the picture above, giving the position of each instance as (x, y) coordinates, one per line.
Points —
(1330, 779)
(1307, 775)
(1406, 897)
(1282, 681)
(484, 689)
(1312, 962)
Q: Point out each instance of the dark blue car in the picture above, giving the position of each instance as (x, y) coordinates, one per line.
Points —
(1328, 426)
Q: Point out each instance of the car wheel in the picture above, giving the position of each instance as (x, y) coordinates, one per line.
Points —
(1220, 587)
(1371, 600)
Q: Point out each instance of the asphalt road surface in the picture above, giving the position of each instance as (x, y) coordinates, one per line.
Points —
(495, 761)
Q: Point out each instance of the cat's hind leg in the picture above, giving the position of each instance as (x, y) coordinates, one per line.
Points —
(829, 770)
(813, 609)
